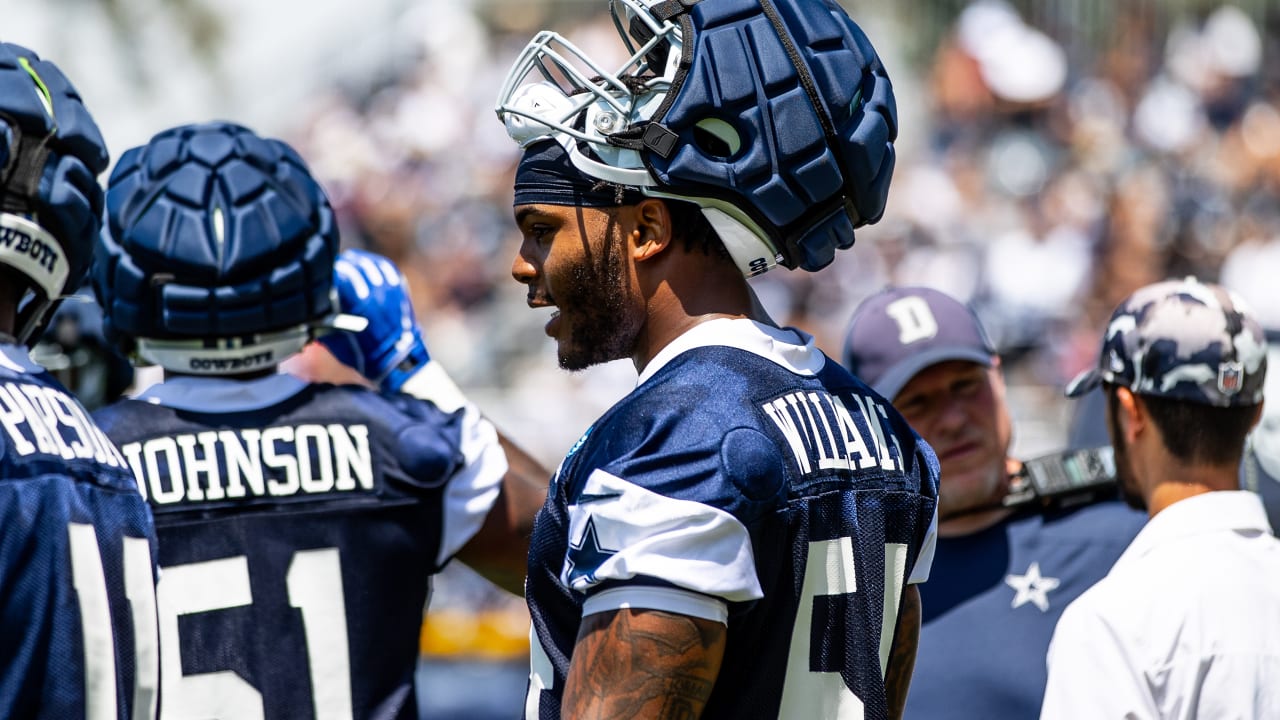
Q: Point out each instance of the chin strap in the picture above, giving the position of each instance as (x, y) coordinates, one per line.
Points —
(668, 9)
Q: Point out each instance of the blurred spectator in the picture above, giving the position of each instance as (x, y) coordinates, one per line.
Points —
(1003, 573)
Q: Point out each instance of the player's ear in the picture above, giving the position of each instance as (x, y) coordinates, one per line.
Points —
(1133, 416)
(653, 228)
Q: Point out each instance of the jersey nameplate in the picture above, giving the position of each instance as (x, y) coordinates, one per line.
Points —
(824, 435)
(44, 420)
(270, 462)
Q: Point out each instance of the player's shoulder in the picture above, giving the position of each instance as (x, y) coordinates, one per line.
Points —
(19, 373)
(707, 452)
(47, 433)
(392, 408)
(116, 412)
(709, 380)
(701, 374)
(425, 439)
(676, 417)
(276, 398)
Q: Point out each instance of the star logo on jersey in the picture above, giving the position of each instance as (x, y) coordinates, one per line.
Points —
(586, 557)
(1031, 588)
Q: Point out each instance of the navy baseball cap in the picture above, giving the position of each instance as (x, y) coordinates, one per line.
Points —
(898, 332)
(1185, 340)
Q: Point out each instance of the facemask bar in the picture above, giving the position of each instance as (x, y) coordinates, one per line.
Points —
(534, 111)
(581, 80)
(564, 65)
(623, 11)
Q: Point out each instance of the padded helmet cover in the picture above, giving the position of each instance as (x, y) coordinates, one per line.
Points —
(51, 153)
(214, 233)
(776, 116)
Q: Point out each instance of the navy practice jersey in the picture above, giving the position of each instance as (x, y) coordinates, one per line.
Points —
(299, 525)
(992, 602)
(748, 479)
(77, 576)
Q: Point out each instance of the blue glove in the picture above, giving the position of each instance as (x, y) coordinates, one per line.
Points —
(391, 349)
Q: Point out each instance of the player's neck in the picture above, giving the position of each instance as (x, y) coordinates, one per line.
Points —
(8, 314)
(686, 289)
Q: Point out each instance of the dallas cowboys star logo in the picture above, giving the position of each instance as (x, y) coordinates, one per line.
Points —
(587, 556)
(1031, 588)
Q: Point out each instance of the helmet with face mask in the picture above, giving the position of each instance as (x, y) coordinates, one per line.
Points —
(776, 117)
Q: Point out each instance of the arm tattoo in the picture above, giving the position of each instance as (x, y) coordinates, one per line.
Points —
(902, 655)
(643, 664)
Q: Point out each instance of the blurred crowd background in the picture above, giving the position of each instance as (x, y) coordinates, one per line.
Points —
(1053, 157)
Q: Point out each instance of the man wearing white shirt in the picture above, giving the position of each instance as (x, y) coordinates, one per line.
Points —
(1187, 623)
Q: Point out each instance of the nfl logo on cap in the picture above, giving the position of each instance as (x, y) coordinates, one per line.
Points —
(1230, 377)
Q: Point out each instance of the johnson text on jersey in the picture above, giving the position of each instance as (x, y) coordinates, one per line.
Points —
(273, 462)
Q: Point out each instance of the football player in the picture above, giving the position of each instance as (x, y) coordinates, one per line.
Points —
(739, 536)
(299, 523)
(77, 575)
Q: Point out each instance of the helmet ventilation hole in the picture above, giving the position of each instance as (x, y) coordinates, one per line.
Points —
(716, 138)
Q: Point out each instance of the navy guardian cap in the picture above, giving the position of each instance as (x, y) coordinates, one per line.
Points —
(51, 153)
(217, 257)
(776, 118)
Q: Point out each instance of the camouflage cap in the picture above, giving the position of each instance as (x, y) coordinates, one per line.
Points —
(1185, 340)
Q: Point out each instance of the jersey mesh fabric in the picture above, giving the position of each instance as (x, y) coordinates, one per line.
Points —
(42, 656)
(384, 539)
(667, 437)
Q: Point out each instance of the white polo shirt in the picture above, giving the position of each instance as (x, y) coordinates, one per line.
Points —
(1186, 625)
